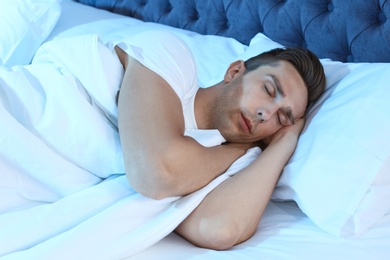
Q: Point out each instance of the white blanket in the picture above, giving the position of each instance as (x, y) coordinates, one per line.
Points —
(63, 191)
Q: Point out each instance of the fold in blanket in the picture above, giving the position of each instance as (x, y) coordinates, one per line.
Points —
(63, 191)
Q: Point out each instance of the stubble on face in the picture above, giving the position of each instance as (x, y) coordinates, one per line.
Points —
(225, 107)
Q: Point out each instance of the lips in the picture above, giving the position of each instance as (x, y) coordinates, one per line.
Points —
(246, 124)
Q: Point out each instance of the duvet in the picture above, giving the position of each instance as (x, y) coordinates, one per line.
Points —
(64, 192)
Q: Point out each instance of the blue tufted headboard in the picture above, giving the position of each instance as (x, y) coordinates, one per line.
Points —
(343, 30)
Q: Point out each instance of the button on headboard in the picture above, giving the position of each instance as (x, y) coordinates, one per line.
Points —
(344, 30)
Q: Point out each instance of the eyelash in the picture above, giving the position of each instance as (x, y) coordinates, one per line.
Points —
(267, 90)
(270, 94)
(280, 122)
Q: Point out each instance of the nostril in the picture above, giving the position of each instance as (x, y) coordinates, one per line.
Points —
(260, 114)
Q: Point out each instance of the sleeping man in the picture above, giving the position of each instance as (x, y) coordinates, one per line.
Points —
(262, 99)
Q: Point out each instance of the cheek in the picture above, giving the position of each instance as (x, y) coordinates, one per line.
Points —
(250, 95)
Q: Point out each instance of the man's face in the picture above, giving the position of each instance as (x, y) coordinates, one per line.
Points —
(256, 105)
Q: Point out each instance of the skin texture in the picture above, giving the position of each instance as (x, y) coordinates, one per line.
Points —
(266, 103)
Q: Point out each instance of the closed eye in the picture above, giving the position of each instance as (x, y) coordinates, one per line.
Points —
(280, 117)
(285, 118)
(267, 90)
(279, 122)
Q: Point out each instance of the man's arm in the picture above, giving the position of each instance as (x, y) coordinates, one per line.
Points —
(231, 213)
(159, 160)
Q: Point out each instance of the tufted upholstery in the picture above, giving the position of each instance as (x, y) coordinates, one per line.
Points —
(344, 30)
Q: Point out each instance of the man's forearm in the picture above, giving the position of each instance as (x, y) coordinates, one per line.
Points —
(231, 212)
(181, 169)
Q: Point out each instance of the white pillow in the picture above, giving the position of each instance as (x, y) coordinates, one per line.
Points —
(340, 172)
(25, 24)
(258, 44)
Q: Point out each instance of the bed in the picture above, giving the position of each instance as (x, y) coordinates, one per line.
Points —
(63, 190)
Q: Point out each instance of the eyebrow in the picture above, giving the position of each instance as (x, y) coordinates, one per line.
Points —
(279, 89)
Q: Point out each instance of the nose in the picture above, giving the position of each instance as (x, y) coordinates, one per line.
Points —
(265, 113)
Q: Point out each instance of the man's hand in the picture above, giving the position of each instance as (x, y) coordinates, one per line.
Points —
(292, 131)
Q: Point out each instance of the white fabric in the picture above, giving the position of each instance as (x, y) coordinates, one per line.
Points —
(25, 24)
(169, 57)
(56, 109)
(106, 221)
(45, 108)
(340, 174)
(79, 19)
(284, 232)
(343, 149)
(112, 67)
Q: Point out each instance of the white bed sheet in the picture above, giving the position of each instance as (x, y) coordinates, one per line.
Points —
(284, 232)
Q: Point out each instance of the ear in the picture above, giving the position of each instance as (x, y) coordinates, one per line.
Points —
(236, 68)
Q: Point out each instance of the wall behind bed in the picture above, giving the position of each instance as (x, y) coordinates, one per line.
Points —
(344, 30)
